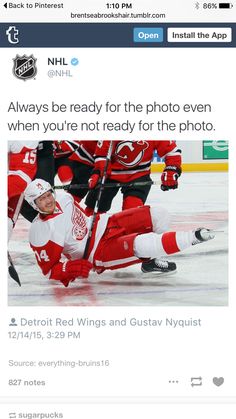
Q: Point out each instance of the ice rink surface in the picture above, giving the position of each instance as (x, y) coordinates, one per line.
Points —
(201, 278)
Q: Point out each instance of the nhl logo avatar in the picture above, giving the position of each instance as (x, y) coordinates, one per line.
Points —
(24, 67)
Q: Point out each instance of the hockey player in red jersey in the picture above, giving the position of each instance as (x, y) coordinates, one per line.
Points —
(61, 230)
(21, 170)
(131, 161)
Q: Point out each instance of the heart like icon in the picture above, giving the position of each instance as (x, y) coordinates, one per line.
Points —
(218, 381)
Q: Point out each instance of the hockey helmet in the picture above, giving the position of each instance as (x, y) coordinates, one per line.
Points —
(36, 189)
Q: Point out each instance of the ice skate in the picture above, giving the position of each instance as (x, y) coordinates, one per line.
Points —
(158, 267)
(203, 235)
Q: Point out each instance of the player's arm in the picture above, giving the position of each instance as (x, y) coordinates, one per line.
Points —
(22, 169)
(173, 160)
(48, 258)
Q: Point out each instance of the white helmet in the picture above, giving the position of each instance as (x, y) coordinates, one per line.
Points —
(35, 189)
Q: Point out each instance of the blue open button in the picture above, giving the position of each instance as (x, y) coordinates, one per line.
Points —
(148, 34)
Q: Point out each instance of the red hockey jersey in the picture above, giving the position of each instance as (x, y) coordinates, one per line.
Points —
(85, 152)
(132, 159)
(22, 165)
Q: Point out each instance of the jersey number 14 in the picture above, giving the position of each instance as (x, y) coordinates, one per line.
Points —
(42, 256)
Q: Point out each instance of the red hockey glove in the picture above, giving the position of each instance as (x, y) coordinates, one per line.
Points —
(169, 178)
(94, 179)
(71, 269)
(98, 171)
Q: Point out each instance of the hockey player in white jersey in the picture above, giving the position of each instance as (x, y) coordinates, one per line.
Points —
(58, 235)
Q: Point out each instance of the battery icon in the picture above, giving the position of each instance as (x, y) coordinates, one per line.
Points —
(225, 5)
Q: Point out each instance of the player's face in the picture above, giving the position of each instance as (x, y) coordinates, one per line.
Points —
(46, 203)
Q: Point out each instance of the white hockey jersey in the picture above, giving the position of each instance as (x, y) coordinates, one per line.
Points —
(64, 233)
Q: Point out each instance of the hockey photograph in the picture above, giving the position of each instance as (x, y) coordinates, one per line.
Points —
(118, 223)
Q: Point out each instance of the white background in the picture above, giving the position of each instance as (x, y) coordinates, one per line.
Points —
(184, 76)
(116, 411)
(164, 75)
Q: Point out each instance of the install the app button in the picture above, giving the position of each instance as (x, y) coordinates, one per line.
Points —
(148, 34)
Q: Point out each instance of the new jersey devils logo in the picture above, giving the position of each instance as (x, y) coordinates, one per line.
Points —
(130, 153)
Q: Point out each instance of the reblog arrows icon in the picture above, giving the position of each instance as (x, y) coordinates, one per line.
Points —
(196, 381)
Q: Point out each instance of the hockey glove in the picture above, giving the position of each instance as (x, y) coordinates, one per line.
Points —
(70, 270)
(169, 178)
(98, 171)
(94, 179)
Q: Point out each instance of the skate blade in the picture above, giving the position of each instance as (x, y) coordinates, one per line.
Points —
(157, 274)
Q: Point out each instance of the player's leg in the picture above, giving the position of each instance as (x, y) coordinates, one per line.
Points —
(106, 199)
(168, 242)
(119, 252)
(152, 244)
(140, 220)
(136, 195)
(161, 222)
(116, 248)
(81, 175)
(45, 162)
(134, 235)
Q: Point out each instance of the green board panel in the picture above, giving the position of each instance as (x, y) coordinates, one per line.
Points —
(216, 150)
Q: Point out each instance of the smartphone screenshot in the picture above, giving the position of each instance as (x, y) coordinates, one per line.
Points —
(118, 290)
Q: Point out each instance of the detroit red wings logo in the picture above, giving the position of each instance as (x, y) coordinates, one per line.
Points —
(130, 153)
(79, 229)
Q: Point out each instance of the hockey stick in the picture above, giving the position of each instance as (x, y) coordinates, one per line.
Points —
(109, 185)
(11, 268)
(100, 190)
(12, 271)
